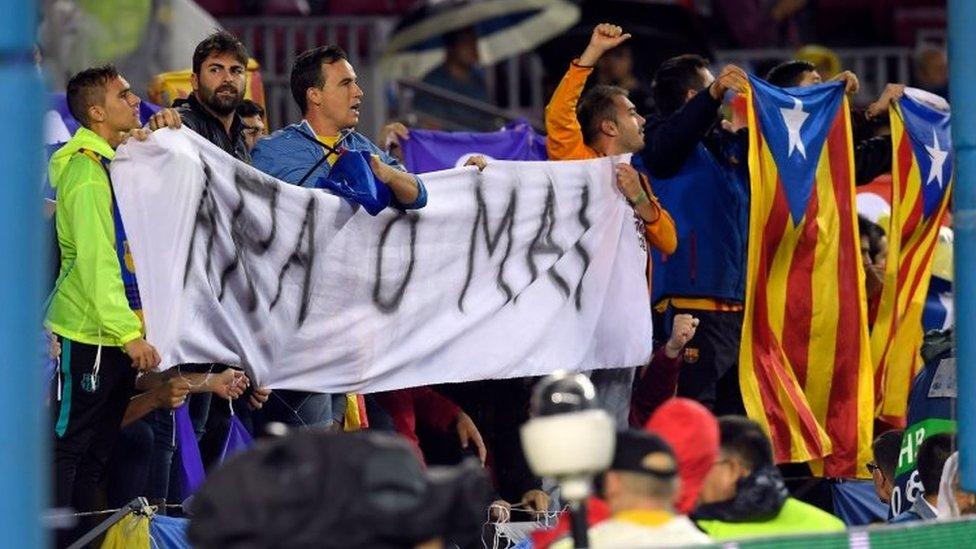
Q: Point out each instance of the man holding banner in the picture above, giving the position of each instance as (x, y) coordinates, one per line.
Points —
(324, 86)
(218, 80)
(94, 302)
(606, 123)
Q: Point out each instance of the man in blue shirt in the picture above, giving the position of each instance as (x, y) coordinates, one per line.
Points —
(323, 83)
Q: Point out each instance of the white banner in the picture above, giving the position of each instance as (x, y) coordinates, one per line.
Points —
(524, 269)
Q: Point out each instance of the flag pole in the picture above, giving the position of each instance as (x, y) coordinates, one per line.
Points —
(23, 459)
(962, 79)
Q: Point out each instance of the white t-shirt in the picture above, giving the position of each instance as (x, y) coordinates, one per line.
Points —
(619, 534)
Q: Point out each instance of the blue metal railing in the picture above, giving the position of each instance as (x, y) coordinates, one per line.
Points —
(22, 457)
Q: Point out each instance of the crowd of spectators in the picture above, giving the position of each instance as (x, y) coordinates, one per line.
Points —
(113, 423)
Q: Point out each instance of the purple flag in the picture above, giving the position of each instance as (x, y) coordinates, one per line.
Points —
(186, 441)
(429, 151)
(238, 439)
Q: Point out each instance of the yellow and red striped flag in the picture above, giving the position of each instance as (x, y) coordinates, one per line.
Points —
(805, 368)
(921, 185)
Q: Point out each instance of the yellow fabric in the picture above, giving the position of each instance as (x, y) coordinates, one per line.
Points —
(352, 419)
(805, 409)
(132, 532)
(644, 518)
(697, 304)
(795, 517)
(896, 337)
(330, 157)
(824, 59)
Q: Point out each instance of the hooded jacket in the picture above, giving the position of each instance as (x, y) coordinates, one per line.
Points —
(762, 507)
(88, 303)
(692, 432)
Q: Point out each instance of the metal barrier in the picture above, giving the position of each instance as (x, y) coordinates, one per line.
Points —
(276, 41)
(494, 117)
(875, 67)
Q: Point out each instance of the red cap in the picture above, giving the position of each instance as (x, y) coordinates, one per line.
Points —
(692, 432)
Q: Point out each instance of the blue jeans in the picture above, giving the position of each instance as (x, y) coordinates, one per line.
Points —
(304, 409)
(614, 387)
(141, 460)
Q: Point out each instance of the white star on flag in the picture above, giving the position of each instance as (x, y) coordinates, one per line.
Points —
(794, 119)
(949, 305)
(938, 156)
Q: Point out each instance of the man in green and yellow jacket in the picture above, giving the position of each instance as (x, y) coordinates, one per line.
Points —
(92, 312)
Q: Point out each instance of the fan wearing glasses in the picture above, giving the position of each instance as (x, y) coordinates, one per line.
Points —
(886, 448)
(252, 118)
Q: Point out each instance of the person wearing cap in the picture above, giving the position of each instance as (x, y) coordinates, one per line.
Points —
(744, 494)
(641, 488)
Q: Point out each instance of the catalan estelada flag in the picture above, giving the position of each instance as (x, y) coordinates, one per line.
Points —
(804, 363)
(921, 184)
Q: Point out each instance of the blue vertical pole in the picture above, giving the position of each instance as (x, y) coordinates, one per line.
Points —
(23, 460)
(962, 79)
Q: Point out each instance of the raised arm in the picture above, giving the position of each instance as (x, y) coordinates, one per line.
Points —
(564, 135)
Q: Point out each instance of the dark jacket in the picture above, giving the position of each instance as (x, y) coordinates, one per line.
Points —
(699, 172)
(198, 119)
(499, 407)
(872, 154)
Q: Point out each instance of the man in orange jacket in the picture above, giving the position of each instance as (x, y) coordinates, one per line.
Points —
(606, 123)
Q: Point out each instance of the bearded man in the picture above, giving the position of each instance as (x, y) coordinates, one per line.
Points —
(218, 79)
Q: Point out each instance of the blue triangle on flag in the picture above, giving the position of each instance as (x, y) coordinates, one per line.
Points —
(795, 123)
(931, 140)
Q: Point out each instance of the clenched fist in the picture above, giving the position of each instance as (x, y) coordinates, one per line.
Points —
(682, 330)
(605, 37)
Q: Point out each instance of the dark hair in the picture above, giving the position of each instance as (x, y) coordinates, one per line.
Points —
(595, 107)
(307, 71)
(886, 449)
(873, 231)
(674, 78)
(745, 439)
(249, 108)
(218, 42)
(789, 74)
(453, 37)
(932, 455)
(87, 88)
